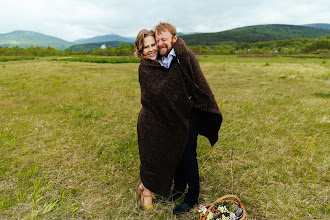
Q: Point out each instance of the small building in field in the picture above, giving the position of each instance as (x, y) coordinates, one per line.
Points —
(103, 47)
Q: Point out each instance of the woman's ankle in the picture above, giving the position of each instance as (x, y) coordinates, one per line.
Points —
(147, 192)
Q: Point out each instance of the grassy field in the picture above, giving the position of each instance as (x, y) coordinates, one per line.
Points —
(68, 142)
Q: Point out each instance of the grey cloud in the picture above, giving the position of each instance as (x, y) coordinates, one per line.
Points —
(71, 20)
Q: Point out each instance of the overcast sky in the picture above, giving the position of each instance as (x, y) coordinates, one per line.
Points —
(75, 19)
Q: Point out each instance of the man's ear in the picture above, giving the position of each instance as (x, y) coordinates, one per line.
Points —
(175, 37)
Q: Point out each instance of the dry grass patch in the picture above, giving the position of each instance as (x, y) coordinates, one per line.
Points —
(68, 143)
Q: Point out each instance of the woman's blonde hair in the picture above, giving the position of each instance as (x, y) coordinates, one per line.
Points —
(139, 42)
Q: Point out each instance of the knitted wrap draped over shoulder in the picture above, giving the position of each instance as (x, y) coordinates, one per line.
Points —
(163, 122)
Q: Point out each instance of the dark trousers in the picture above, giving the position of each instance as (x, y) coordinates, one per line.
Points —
(187, 170)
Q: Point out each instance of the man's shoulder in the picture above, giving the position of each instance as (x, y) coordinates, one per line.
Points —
(183, 49)
(190, 52)
(190, 55)
(184, 52)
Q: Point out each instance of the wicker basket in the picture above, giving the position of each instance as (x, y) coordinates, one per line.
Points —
(237, 201)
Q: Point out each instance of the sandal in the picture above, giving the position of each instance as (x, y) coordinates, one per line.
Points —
(141, 192)
(143, 201)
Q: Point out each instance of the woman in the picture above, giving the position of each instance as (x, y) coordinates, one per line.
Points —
(163, 121)
(146, 49)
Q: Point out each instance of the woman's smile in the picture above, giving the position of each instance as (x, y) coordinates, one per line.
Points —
(150, 48)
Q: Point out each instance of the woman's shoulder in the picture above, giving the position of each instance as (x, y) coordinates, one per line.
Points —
(149, 63)
(150, 66)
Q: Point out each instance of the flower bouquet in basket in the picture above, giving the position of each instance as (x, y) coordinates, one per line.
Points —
(223, 209)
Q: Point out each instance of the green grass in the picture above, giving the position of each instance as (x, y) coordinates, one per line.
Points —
(110, 59)
(6, 59)
(68, 142)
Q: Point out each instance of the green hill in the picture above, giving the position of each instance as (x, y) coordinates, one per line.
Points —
(104, 38)
(319, 25)
(27, 39)
(257, 33)
(92, 46)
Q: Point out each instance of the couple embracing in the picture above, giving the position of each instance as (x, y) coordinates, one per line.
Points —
(177, 106)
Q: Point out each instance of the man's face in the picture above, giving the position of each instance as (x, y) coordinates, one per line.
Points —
(165, 41)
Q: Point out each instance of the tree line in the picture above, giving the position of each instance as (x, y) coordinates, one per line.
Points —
(294, 46)
(253, 34)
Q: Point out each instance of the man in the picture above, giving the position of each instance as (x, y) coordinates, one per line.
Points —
(205, 117)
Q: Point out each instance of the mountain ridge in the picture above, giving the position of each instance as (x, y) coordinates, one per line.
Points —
(27, 39)
(104, 38)
(319, 25)
(91, 46)
(255, 33)
(247, 34)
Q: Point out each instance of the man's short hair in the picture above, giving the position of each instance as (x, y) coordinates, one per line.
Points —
(163, 26)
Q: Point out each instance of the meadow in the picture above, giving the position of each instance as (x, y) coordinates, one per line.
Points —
(68, 142)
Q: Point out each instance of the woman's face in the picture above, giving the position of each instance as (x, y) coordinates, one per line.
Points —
(150, 48)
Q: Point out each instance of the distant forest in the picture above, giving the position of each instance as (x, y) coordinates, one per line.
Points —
(293, 46)
(253, 34)
(319, 45)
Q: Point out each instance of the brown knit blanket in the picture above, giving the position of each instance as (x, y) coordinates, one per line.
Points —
(163, 122)
(202, 96)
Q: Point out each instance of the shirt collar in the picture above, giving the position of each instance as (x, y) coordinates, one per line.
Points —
(172, 52)
(166, 60)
